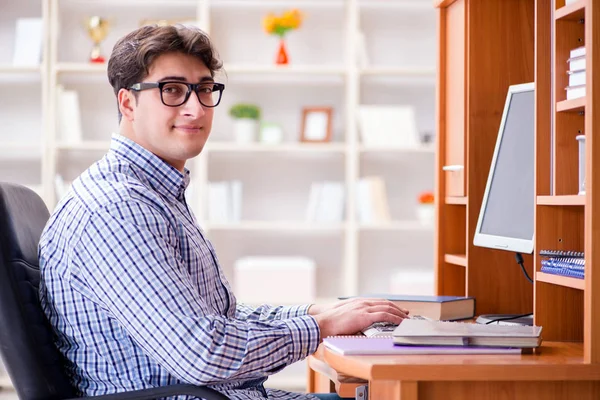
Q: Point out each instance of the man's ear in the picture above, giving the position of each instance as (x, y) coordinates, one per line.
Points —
(127, 103)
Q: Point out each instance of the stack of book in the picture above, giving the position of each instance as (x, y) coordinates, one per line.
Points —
(576, 73)
(421, 336)
(326, 202)
(224, 201)
(372, 200)
(565, 263)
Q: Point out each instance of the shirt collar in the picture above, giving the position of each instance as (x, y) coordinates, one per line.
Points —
(163, 177)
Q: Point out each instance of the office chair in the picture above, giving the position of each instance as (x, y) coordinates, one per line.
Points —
(26, 339)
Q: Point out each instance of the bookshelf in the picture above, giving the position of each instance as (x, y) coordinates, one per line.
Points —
(324, 70)
(566, 307)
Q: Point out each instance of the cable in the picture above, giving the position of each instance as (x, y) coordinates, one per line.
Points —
(508, 318)
(520, 261)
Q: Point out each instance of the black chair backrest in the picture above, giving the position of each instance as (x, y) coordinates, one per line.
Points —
(26, 339)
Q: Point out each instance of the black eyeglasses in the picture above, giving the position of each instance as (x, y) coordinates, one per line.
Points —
(174, 94)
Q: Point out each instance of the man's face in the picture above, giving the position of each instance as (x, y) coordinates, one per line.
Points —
(175, 134)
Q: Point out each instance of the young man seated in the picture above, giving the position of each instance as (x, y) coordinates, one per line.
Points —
(130, 283)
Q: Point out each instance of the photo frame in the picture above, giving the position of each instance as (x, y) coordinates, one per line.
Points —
(316, 124)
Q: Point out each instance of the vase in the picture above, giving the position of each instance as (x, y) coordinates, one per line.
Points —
(244, 130)
(282, 55)
(426, 214)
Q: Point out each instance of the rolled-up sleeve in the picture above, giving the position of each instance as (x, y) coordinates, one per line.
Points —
(127, 260)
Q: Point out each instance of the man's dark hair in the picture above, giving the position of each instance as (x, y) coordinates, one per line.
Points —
(134, 53)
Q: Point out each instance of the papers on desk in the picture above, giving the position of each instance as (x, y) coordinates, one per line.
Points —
(361, 345)
(442, 333)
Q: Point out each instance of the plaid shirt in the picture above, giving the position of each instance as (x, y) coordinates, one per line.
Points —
(136, 295)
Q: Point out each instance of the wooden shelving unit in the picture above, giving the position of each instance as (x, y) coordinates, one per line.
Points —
(567, 308)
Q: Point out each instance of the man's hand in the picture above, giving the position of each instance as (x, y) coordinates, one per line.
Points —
(351, 316)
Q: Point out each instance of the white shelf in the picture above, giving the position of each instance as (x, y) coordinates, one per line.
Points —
(225, 147)
(392, 149)
(272, 4)
(20, 150)
(398, 226)
(85, 146)
(396, 4)
(283, 226)
(398, 71)
(131, 3)
(19, 146)
(285, 69)
(80, 68)
(10, 69)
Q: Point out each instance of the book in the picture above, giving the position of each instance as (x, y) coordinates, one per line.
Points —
(447, 308)
(360, 345)
(574, 92)
(442, 333)
(29, 37)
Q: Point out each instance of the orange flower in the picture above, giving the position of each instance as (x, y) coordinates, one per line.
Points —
(280, 25)
(426, 198)
(269, 23)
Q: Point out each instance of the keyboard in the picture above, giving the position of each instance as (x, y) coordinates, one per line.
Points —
(379, 329)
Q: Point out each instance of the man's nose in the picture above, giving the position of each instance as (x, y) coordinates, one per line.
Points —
(193, 105)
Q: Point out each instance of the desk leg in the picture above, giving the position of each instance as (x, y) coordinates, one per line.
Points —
(393, 390)
(318, 383)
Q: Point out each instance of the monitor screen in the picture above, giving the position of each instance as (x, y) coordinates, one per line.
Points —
(506, 218)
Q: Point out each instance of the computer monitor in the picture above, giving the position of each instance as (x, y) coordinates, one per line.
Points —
(506, 217)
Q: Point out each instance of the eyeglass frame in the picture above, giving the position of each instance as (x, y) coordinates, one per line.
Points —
(138, 87)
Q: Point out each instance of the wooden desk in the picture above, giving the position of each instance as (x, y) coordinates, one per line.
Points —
(556, 372)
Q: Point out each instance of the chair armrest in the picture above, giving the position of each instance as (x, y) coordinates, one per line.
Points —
(202, 392)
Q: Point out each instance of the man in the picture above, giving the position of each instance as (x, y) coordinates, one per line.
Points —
(130, 284)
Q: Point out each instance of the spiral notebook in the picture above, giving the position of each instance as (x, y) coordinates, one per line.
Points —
(361, 345)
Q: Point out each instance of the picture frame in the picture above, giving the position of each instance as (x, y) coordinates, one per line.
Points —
(316, 124)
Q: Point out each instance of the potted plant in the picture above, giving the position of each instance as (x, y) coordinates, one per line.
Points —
(245, 125)
(426, 208)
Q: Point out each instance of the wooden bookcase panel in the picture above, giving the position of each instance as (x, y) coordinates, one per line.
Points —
(559, 310)
(451, 280)
(559, 228)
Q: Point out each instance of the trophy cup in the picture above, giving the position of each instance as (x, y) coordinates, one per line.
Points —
(97, 28)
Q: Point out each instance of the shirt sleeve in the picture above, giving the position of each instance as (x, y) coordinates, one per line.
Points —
(128, 261)
(269, 313)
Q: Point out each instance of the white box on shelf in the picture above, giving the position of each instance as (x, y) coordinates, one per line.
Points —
(29, 35)
(275, 280)
(388, 125)
(412, 282)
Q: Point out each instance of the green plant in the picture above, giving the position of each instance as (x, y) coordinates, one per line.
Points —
(242, 110)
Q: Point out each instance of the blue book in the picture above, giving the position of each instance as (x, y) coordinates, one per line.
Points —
(445, 308)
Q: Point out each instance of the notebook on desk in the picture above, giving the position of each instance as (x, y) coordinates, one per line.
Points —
(360, 345)
(441, 333)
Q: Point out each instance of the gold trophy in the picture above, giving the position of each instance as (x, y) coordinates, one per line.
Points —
(97, 28)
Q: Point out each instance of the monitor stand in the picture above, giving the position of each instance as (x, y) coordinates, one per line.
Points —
(523, 320)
